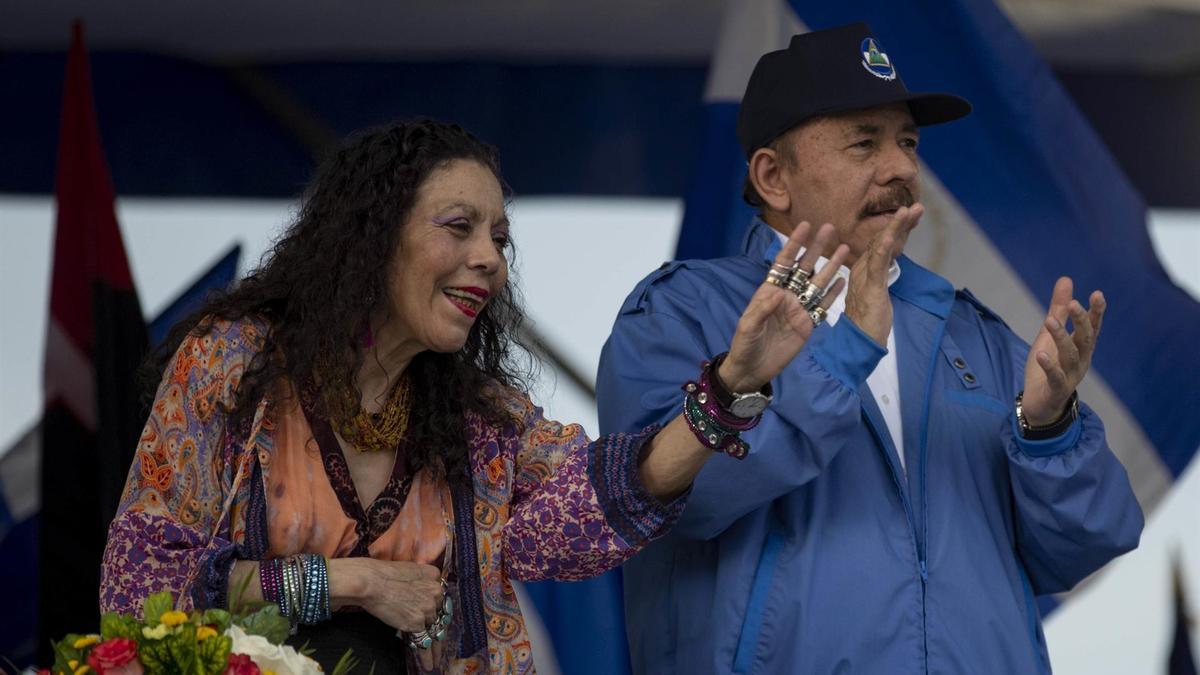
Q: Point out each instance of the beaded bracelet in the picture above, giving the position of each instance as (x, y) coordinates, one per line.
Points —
(270, 576)
(299, 584)
(715, 428)
(710, 431)
(315, 604)
(289, 605)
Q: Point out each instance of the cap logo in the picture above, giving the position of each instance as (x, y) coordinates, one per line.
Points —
(875, 61)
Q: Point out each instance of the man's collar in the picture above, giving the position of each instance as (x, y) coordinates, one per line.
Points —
(760, 242)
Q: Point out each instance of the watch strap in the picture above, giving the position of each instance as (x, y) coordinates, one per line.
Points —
(1052, 430)
(721, 392)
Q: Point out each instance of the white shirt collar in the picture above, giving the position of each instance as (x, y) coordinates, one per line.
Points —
(884, 381)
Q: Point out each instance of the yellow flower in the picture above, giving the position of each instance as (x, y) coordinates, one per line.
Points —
(205, 632)
(81, 670)
(72, 664)
(173, 618)
(158, 632)
(268, 672)
(86, 641)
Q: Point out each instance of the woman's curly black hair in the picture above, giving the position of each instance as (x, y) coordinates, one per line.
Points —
(327, 274)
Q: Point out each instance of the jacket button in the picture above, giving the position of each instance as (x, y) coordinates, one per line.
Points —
(959, 363)
(968, 378)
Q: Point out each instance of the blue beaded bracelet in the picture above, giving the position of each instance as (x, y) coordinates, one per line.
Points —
(315, 607)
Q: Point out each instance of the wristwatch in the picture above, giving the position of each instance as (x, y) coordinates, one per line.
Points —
(1056, 428)
(738, 405)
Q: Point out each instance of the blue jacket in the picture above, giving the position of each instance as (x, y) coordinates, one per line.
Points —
(818, 553)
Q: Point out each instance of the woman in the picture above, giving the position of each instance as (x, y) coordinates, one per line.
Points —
(343, 433)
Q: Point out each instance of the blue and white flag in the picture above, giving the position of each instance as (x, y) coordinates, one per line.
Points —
(1016, 194)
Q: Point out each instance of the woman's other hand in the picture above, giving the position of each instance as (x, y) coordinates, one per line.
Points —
(775, 325)
(404, 595)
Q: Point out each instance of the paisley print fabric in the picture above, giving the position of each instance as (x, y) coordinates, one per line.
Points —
(548, 504)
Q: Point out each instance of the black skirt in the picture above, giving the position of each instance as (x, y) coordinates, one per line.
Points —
(372, 641)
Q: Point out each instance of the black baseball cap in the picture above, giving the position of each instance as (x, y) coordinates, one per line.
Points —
(830, 71)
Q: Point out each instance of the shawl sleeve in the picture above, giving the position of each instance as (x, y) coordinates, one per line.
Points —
(578, 508)
(172, 528)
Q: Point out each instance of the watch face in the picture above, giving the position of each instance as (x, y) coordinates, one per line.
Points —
(749, 405)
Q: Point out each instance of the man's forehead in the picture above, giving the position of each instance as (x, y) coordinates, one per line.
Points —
(888, 119)
(893, 115)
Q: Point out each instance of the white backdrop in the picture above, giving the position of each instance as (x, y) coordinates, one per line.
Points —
(577, 258)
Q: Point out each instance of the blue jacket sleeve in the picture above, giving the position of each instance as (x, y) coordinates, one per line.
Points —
(651, 354)
(1075, 508)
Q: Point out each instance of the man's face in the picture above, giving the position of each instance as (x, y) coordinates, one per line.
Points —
(853, 170)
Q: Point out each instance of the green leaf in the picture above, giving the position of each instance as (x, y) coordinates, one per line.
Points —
(155, 656)
(268, 623)
(113, 625)
(347, 663)
(212, 655)
(65, 651)
(182, 647)
(216, 617)
(155, 606)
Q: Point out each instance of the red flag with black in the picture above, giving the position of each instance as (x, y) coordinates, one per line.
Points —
(95, 340)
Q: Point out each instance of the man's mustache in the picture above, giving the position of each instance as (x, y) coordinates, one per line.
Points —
(893, 199)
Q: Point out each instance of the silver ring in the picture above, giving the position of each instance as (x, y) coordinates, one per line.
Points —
(437, 629)
(803, 275)
(777, 278)
(785, 270)
(422, 640)
(811, 296)
(817, 315)
(796, 283)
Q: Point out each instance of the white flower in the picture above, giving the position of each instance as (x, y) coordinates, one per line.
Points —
(280, 659)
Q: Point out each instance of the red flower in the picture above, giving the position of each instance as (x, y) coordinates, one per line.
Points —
(241, 664)
(115, 655)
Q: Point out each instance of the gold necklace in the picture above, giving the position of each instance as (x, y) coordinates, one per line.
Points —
(373, 432)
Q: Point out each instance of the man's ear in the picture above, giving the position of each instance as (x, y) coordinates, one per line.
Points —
(766, 172)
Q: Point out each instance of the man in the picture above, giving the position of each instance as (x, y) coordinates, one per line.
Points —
(920, 473)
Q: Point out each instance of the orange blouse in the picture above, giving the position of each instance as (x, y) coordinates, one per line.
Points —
(305, 514)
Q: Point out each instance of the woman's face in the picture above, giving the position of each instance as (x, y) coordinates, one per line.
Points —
(450, 260)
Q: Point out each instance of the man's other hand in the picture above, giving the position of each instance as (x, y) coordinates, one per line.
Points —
(1058, 360)
(867, 301)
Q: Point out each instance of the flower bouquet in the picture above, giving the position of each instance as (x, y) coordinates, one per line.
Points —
(246, 641)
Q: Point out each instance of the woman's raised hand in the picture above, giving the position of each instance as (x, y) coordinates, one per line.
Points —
(775, 324)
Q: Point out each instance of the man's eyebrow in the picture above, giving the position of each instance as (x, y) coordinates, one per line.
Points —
(867, 129)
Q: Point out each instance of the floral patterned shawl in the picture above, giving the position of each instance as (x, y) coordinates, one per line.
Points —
(544, 503)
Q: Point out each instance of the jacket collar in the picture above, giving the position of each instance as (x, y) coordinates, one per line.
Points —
(916, 284)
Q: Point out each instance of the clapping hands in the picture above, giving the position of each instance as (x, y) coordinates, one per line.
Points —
(776, 325)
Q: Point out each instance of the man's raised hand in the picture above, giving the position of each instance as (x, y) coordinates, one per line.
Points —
(1058, 360)
(867, 301)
